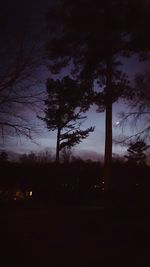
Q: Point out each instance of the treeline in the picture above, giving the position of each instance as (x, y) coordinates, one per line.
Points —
(80, 181)
(50, 182)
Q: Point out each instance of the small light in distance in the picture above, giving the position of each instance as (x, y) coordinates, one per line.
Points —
(30, 193)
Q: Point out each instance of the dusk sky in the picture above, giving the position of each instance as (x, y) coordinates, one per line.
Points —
(33, 13)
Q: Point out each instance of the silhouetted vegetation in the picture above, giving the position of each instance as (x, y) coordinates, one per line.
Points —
(76, 183)
(63, 113)
(136, 152)
(138, 100)
(3, 157)
(20, 56)
(32, 157)
(93, 46)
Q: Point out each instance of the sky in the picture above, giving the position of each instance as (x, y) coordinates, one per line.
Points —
(33, 12)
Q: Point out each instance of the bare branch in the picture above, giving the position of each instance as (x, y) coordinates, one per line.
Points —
(19, 87)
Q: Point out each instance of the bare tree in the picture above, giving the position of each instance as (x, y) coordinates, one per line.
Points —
(138, 116)
(20, 56)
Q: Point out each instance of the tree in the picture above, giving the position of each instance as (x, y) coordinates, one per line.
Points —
(139, 107)
(3, 157)
(136, 152)
(20, 56)
(28, 158)
(91, 36)
(42, 157)
(66, 155)
(63, 113)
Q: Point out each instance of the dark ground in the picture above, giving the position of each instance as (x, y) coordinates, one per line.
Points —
(72, 236)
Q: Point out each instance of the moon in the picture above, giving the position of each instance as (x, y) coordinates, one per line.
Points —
(116, 123)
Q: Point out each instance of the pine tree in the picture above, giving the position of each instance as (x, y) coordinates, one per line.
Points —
(63, 113)
(136, 152)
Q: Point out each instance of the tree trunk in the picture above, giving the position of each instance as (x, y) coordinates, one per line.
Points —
(108, 129)
(57, 145)
(108, 148)
(108, 143)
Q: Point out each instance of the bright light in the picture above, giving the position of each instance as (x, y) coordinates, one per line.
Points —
(116, 123)
(30, 193)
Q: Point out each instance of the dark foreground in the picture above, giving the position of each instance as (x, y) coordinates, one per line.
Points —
(72, 236)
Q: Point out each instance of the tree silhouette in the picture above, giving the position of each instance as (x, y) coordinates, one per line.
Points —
(139, 102)
(63, 113)
(28, 158)
(90, 36)
(136, 152)
(3, 156)
(66, 154)
(20, 56)
(40, 157)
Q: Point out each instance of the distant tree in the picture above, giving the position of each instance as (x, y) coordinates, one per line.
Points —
(23, 158)
(3, 157)
(117, 158)
(44, 157)
(39, 157)
(32, 157)
(63, 113)
(136, 152)
(66, 155)
(28, 158)
(77, 159)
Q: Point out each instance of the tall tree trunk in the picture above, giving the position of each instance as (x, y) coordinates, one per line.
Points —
(108, 142)
(58, 145)
(108, 128)
(108, 148)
